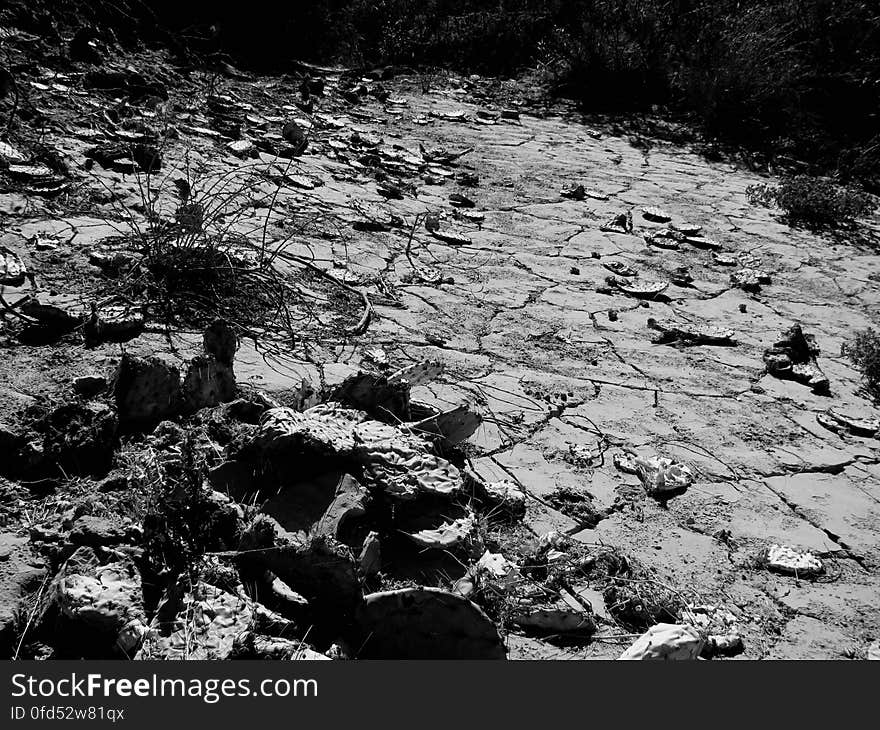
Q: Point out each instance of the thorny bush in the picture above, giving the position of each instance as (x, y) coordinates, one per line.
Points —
(815, 202)
(864, 352)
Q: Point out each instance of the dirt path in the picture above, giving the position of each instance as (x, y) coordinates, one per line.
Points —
(565, 375)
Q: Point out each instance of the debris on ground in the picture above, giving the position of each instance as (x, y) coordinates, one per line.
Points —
(574, 192)
(687, 334)
(620, 223)
(794, 357)
(749, 280)
(12, 270)
(664, 238)
(787, 560)
(620, 268)
(639, 288)
(661, 475)
(837, 421)
(666, 642)
(656, 215)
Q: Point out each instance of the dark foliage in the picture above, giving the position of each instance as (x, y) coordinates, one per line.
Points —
(798, 78)
(790, 78)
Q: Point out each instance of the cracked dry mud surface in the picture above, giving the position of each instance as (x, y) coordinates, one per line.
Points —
(527, 338)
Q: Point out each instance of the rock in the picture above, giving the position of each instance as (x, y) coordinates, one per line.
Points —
(425, 623)
(666, 641)
(147, 390)
(97, 532)
(320, 569)
(21, 575)
(873, 653)
(208, 383)
(94, 610)
(89, 385)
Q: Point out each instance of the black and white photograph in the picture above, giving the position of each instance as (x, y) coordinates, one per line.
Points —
(526, 330)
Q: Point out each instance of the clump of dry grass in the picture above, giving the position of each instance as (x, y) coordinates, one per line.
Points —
(219, 245)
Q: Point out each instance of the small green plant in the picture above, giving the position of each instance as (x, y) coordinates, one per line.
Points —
(864, 352)
(814, 201)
